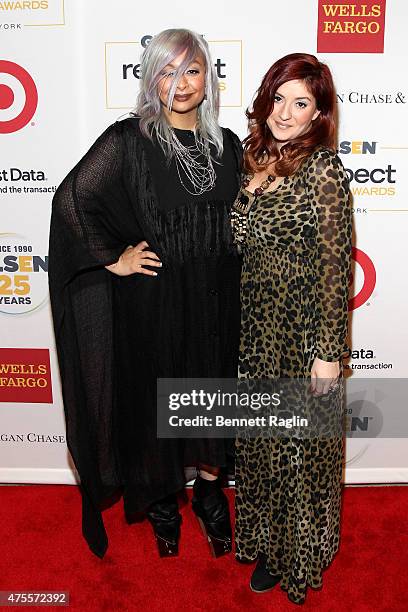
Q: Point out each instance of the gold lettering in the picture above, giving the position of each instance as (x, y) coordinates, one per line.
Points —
(351, 10)
(25, 263)
(350, 27)
(374, 27)
(24, 6)
(330, 10)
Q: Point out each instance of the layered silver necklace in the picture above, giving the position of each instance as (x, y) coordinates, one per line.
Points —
(197, 174)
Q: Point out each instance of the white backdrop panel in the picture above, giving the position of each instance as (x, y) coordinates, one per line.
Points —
(83, 59)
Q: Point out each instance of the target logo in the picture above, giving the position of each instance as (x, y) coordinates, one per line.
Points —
(369, 277)
(18, 97)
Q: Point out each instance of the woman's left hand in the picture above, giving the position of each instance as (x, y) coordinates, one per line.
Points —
(324, 376)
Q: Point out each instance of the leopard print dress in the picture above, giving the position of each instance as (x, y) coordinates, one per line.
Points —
(294, 299)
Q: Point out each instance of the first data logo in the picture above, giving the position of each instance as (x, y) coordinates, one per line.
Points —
(23, 275)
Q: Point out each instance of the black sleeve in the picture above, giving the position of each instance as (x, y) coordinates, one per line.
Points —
(89, 210)
(83, 220)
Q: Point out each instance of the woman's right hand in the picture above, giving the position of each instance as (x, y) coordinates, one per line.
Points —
(133, 259)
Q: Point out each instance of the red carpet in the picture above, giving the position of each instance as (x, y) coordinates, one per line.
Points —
(42, 549)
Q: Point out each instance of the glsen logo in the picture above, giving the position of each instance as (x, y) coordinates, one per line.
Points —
(368, 281)
(23, 275)
(363, 419)
(122, 71)
(25, 376)
(356, 27)
(18, 97)
(357, 147)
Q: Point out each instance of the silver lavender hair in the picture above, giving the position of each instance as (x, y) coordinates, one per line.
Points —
(161, 51)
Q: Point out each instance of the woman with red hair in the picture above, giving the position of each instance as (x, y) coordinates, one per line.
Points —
(292, 219)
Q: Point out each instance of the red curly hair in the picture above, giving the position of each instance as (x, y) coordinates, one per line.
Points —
(260, 145)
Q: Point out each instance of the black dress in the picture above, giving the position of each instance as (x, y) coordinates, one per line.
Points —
(116, 335)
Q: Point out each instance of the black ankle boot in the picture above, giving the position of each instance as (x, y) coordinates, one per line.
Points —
(261, 579)
(210, 505)
(165, 519)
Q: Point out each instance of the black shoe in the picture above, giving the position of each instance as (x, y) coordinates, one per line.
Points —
(210, 505)
(165, 519)
(261, 580)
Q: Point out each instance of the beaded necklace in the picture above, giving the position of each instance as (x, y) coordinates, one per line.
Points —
(262, 187)
(243, 204)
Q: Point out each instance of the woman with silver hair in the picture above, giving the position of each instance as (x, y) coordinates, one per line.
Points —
(144, 284)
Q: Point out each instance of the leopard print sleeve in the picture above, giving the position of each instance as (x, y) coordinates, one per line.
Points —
(327, 187)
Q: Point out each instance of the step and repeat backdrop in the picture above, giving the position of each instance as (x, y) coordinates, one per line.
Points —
(70, 68)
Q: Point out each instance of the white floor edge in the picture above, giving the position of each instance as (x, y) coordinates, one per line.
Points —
(67, 476)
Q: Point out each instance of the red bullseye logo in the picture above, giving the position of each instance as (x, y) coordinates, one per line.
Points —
(370, 276)
(7, 97)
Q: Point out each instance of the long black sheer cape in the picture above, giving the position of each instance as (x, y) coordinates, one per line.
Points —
(115, 335)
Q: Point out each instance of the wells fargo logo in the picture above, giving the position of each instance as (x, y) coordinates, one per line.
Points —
(345, 27)
(25, 376)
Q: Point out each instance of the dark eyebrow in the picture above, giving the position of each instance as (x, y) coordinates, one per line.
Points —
(193, 62)
(301, 97)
